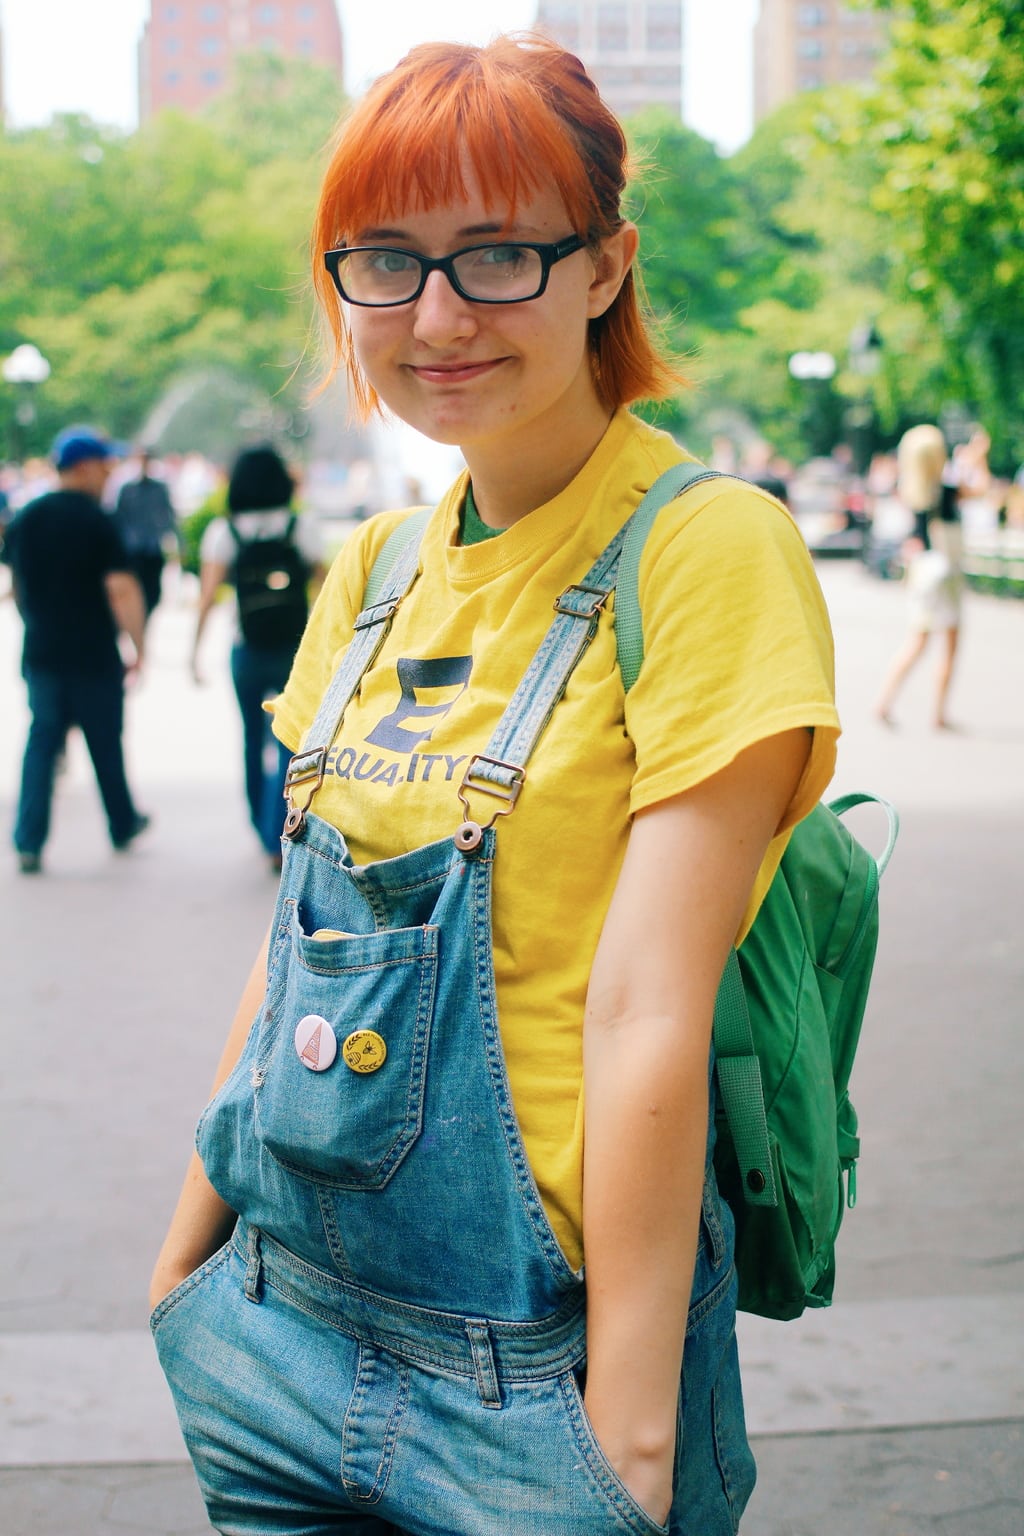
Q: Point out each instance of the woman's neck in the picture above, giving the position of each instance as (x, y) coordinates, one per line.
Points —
(507, 485)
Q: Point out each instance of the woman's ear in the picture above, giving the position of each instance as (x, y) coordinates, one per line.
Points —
(612, 261)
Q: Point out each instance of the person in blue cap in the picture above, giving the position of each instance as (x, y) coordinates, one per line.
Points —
(77, 596)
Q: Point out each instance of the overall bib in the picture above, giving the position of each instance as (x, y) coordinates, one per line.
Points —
(392, 1341)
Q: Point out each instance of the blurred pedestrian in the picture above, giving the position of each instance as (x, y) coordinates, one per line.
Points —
(145, 519)
(271, 556)
(932, 557)
(76, 593)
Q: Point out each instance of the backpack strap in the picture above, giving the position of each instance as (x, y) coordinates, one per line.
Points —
(629, 633)
(410, 527)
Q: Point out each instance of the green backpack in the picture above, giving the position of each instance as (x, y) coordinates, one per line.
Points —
(789, 1008)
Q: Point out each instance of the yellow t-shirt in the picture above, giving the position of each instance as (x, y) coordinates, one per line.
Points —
(737, 648)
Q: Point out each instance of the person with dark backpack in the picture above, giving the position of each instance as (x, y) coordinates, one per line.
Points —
(271, 556)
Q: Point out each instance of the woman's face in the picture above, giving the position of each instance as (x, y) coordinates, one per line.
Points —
(477, 375)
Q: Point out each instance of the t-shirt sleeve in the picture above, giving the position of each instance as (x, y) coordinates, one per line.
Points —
(737, 642)
(217, 545)
(329, 630)
(309, 539)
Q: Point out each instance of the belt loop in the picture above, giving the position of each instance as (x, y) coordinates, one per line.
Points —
(254, 1266)
(479, 1335)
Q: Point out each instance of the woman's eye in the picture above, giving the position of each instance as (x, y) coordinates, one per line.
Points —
(391, 262)
(509, 257)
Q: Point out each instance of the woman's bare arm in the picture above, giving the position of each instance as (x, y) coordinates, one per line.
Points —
(201, 1221)
(680, 898)
(212, 575)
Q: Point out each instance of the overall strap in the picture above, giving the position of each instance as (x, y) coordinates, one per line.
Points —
(501, 770)
(306, 769)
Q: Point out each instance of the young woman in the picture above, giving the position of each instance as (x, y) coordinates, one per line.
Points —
(471, 1064)
(933, 554)
(260, 515)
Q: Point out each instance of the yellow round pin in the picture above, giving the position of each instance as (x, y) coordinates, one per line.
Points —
(364, 1050)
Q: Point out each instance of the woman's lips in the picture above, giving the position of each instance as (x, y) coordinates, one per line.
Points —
(453, 373)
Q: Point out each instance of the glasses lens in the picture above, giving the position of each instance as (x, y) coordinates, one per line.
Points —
(378, 276)
(502, 273)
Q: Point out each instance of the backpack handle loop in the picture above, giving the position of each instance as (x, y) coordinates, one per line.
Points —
(843, 803)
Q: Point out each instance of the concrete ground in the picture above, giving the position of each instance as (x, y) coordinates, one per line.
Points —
(899, 1411)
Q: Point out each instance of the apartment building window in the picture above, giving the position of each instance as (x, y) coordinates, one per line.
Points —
(268, 15)
(612, 28)
(811, 15)
(810, 82)
(172, 45)
(810, 48)
(211, 77)
(210, 15)
(172, 78)
(305, 13)
(664, 28)
(209, 45)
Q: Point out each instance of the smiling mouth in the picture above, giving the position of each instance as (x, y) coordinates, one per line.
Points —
(453, 373)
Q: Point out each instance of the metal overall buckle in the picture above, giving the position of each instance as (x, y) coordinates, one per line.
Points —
(305, 768)
(470, 834)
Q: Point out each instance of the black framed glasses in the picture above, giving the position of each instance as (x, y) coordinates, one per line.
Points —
(510, 272)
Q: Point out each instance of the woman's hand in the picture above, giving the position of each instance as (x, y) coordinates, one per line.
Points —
(645, 1469)
(165, 1278)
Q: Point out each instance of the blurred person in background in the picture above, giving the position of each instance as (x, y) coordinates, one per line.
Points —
(271, 556)
(932, 558)
(145, 519)
(76, 593)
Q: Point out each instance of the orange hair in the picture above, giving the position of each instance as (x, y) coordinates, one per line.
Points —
(521, 112)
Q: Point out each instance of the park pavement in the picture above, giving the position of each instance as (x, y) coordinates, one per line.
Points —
(899, 1411)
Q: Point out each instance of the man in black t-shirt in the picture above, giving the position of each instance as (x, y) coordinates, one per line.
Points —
(75, 592)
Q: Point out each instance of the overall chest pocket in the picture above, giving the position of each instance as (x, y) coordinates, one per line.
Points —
(338, 1094)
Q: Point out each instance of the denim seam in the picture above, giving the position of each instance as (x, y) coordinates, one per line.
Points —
(188, 1285)
(699, 1310)
(524, 1182)
(402, 1348)
(425, 958)
(612, 1489)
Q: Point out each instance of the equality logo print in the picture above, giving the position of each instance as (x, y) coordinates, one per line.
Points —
(429, 690)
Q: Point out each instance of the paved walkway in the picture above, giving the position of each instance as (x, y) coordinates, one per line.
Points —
(899, 1411)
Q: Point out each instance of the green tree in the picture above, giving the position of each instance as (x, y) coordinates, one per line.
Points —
(134, 260)
(947, 127)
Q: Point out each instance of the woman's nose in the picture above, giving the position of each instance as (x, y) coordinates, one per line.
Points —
(442, 315)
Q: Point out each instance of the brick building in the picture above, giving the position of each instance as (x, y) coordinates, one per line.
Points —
(187, 46)
(632, 48)
(802, 46)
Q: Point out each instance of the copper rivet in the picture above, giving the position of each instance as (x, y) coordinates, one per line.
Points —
(468, 837)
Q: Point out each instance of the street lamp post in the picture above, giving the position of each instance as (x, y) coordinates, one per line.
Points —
(815, 370)
(25, 369)
(865, 360)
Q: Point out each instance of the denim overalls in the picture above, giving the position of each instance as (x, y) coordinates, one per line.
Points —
(392, 1341)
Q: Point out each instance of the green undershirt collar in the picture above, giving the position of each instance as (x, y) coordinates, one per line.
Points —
(474, 530)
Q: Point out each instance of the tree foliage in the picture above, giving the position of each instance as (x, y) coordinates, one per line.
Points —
(946, 125)
(141, 263)
(130, 259)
